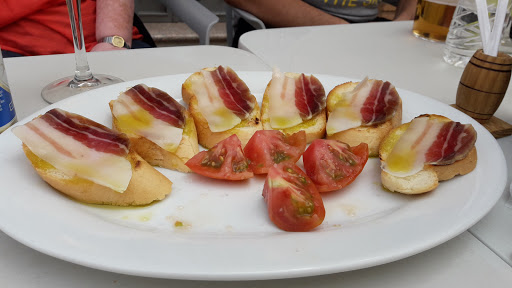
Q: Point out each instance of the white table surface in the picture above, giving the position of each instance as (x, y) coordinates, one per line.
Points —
(388, 51)
(461, 262)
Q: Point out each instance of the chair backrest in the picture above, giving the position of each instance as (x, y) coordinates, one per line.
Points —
(232, 16)
(195, 15)
(147, 38)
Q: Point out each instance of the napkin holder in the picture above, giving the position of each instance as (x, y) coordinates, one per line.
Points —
(481, 89)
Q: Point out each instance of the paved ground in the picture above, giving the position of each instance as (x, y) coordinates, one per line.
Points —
(179, 34)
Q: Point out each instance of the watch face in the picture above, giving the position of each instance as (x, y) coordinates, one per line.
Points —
(118, 41)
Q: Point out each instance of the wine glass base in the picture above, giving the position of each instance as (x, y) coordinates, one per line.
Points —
(69, 86)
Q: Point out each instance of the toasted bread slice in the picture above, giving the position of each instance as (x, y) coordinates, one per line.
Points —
(421, 182)
(314, 127)
(207, 138)
(158, 156)
(146, 185)
(371, 135)
(427, 179)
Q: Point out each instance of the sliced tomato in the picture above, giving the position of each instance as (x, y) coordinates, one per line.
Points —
(225, 160)
(269, 147)
(293, 202)
(332, 164)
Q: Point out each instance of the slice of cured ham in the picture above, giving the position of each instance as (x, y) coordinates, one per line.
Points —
(152, 114)
(309, 96)
(222, 97)
(429, 140)
(371, 102)
(305, 91)
(158, 103)
(232, 90)
(78, 146)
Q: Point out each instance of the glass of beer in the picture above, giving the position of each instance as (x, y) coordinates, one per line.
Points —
(432, 19)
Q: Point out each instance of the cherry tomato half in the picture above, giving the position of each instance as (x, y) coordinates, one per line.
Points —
(293, 202)
(225, 160)
(332, 164)
(269, 147)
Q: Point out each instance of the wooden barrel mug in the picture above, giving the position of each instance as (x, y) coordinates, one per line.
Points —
(483, 85)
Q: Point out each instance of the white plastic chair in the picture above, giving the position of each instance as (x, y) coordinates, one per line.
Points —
(195, 15)
(232, 16)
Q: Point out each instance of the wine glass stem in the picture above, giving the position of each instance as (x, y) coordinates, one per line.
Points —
(82, 70)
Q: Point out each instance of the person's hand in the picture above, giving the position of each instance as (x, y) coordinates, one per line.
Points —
(105, 47)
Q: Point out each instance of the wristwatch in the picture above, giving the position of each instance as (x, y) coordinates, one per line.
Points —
(116, 41)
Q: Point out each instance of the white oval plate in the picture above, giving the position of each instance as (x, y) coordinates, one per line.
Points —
(227, 234)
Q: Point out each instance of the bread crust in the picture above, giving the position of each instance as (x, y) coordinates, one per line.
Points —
(371, 135)
(424, 181)
(207, 138)
(314, 127)
(427, 179)
(158, 156)
(146, 185)
(461, 167)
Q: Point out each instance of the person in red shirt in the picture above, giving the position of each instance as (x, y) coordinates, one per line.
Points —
(42, 27)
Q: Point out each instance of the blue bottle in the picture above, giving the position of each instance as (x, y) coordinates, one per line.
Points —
(7, 112)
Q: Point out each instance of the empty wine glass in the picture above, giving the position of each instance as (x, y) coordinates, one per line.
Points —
(83, 79)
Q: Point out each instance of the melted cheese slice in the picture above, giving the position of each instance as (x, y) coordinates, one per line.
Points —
(218, 116)
(408, 155)
(102, 168)
(347, 112)
(133, 119)
(282, 110)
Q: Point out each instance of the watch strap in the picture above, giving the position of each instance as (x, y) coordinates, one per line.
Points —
(116, 41)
